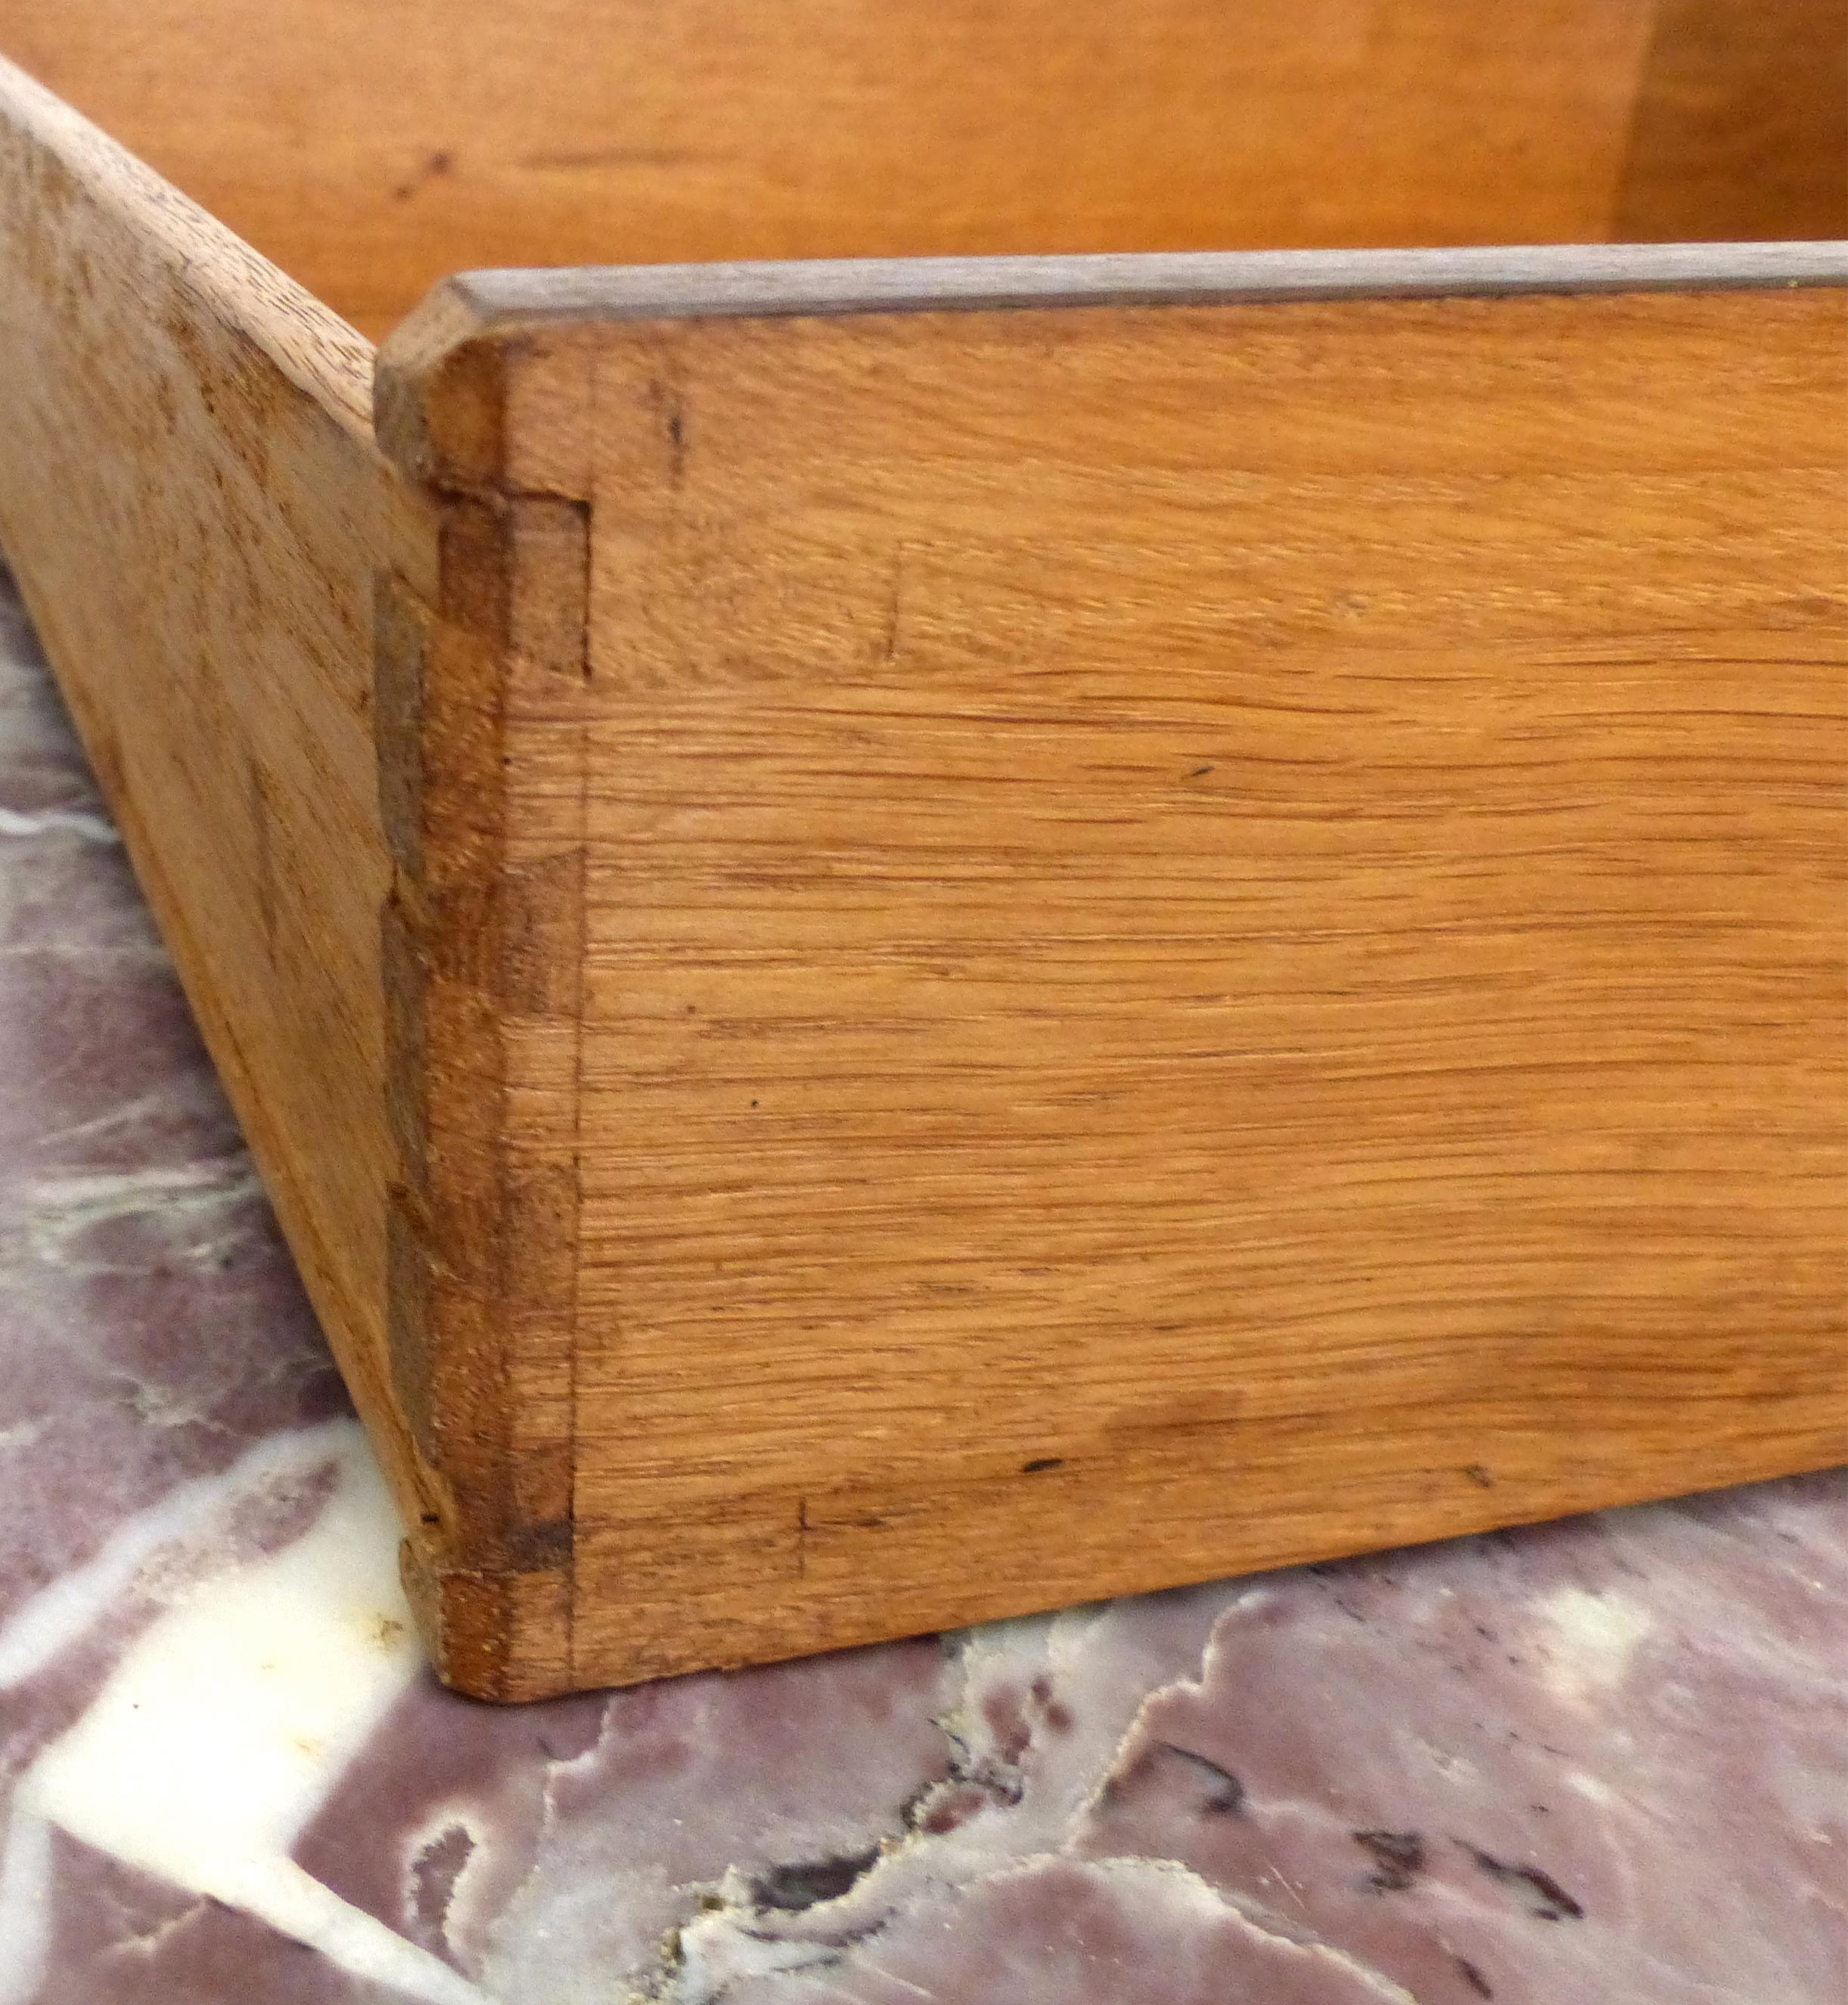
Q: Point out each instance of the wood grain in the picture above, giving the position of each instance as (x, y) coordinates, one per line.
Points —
(1211, 934)
(373, 147)
(193, 504)
(907, 940)
(286, 666)
(483, 938)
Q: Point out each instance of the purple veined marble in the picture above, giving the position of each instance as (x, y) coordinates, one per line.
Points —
(1600, 1763)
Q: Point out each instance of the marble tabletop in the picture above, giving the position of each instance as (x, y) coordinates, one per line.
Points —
(1599, 1763)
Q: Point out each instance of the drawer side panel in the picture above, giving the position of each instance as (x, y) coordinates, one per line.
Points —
(1206, 934)
(1213, 937)
(193, 502)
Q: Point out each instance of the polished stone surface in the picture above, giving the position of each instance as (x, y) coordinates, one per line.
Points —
(1603, 1763)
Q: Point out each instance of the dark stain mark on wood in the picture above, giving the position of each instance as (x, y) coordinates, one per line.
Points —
(594, 157)
(670, 413)
(894, 604)
(434, 167)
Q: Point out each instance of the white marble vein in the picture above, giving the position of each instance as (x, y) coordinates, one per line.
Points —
(224, 1728)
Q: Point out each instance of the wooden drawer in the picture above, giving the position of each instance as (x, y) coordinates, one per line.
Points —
(912, 938)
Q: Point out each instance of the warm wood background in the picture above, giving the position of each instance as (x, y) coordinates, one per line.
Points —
(372, 146)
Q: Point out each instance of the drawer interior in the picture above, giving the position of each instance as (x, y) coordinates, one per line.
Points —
(371, 147)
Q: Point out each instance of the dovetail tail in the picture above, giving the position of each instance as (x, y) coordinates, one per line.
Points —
(550, 573)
